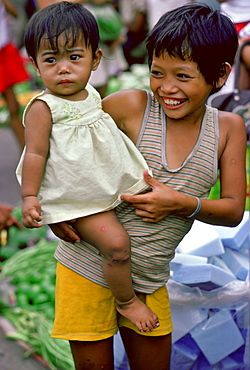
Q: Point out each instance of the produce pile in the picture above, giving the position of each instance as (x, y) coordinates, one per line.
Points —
(27, 288)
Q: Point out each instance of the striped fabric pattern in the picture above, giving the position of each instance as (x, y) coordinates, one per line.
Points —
(153, 245)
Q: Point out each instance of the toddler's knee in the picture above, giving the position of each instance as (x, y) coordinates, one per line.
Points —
(118, 250)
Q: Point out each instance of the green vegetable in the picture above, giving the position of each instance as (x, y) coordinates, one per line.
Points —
(32, 271)
(30, 261)
(34, 329)
(40, 298)
(22, 300)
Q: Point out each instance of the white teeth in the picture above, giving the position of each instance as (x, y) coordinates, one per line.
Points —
(172, 102)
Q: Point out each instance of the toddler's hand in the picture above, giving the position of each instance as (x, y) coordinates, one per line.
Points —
(31, 211)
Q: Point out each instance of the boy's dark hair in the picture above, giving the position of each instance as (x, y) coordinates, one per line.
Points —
(69, 18)
(198, 33)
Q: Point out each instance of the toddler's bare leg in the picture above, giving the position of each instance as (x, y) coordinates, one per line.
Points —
(104, 231)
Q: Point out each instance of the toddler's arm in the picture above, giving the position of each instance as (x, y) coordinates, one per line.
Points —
(37, 131)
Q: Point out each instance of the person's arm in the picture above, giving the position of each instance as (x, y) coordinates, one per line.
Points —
(127, 108)
(226, 211)
(7, 219)
(37, 132)
(139, 23)
(10, 8)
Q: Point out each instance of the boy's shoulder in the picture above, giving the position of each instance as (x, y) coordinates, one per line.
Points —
(127, 108)
(127, 94)
(128, 100)
(231, 126)
(230, 119)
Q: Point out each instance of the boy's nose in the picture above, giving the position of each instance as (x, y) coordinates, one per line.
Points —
(169, 86)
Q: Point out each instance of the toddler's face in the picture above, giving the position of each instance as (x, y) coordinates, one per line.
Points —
(66, 70)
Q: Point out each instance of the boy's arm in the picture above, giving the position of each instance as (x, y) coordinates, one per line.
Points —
(227, 210)
(37, 132)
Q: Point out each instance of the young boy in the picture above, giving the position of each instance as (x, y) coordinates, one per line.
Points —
(190, 53)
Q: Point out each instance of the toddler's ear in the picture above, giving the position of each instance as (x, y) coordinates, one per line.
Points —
(35, 67)
(96, 60)
(224, 73)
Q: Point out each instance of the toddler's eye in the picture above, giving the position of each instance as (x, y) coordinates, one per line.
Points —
(50, 60)
(75, 57)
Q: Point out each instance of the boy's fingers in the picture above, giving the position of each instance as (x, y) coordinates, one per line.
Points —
(151, 180)
(133, 198)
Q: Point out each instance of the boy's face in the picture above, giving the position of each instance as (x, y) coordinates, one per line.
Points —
(66, 71)
(179, 86)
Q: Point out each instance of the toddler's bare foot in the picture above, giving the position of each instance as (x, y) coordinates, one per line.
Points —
(138, 313)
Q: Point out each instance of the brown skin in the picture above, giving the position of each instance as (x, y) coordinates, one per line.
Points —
(153, 353)
(7, 219)
(75, 65)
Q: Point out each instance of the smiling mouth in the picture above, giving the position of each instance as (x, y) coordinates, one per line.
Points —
(173, 102)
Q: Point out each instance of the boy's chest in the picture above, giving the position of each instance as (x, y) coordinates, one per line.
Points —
(179, 143)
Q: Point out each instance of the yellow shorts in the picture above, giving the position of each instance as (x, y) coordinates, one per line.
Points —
(85, 311)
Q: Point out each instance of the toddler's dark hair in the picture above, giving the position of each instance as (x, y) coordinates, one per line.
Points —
(71, 19)
(197, 33)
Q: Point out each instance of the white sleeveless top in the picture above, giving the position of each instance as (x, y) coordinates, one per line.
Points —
(90, 161)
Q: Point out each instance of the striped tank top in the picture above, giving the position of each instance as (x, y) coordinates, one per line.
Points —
(153, 245)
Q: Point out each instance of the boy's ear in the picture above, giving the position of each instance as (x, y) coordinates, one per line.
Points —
(35, 67)
(96, 60)
(224, 73)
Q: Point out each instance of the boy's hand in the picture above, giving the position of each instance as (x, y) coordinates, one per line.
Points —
(155, 205)
(64, 231)
(31, 211)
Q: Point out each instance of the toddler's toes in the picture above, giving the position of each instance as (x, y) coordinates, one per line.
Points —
(139, 326)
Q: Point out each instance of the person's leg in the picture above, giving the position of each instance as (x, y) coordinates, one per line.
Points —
(151, 350)
(15, 120)
(93, 355)
(151, 353)
(85, 315)
(104, 231)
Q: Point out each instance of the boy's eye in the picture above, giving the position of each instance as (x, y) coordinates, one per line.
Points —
(183, 76)
(156, 73)
(75, 57)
